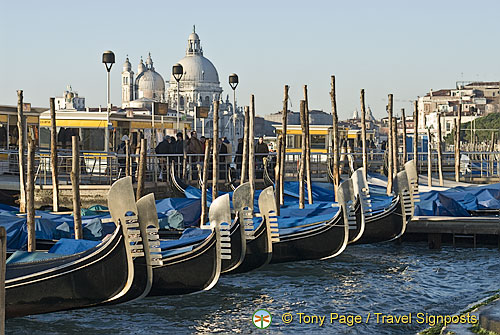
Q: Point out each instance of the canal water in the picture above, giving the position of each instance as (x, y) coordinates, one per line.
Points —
(386, 278)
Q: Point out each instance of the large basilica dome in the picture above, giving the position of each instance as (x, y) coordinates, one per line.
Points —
(149, 83)
(199, 84)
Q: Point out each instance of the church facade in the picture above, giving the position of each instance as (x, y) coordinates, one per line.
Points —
(198, 86)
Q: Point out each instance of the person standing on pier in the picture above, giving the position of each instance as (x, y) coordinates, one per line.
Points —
(238, 158)
(261, 151)
(194, 146)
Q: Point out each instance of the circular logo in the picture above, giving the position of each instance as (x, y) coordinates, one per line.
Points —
(261, 319)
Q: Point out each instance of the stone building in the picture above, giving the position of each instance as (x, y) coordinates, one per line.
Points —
(199, 86)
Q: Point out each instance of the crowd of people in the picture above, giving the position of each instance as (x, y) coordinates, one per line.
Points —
(195, 149)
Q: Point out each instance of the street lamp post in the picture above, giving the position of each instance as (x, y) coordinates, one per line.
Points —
(108, 59)
(233, 82)
(177, 72)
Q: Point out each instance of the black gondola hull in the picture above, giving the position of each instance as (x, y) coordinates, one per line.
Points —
(188, 272)
(258, 251)
(238, 247)
(385, 226)
(69, 282)
(323, 241)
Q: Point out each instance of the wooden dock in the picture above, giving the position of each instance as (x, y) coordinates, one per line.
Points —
(456, 227)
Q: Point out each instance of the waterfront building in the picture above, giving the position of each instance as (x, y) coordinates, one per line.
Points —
(70, 100)
(476, 99)
(8, 124)
(199, 87)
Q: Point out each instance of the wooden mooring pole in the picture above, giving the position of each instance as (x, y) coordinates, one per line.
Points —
(30, 196)
(403, 121)
(335, 135)
(439, 150)
(390, 148)
(395, 143)
(3, 257)
(141, 177)
(303, 154)
(415, 133)
(215, 152)
(429, 158)
(251, 147)
(127, 158)
(277, 179)
(206, 161)
(21, 129)
(75, 185)
(184, 153)
(53, 156)
(456, 145)
(363, 133)
(492, 148)
(283, 148)
(308, 149)
(244, 159)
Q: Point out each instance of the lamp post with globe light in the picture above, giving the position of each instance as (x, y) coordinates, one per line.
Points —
(233, 82)
(177, 72)
(108, 59)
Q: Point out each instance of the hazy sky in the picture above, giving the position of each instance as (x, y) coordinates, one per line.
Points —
(400, 47)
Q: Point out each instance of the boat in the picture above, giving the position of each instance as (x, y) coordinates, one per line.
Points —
(321, 239)
(384, 223)
(258, 246)
(143, 235)
(238, 244)
(193, 263)
(40, 282)
(176, 182)
(268, 180)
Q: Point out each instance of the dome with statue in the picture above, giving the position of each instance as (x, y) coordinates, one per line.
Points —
(196, 67)
(199, 84)
(149, 83)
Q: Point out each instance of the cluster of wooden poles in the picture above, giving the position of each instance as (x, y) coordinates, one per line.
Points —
(304, 167)
(26, 175)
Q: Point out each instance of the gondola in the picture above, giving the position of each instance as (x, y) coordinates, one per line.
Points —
(385, 224)
(193, 270)
(103, 273)
(238, 246)
(176, 182)
(231, 181)
(268, 180)
(258, 249)
(319, 240)
(143, 232)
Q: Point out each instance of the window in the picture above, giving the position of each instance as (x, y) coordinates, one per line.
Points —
(448, 126)
(92, 139)
(318, 141)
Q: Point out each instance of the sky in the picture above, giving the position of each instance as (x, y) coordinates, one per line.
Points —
(401, 47)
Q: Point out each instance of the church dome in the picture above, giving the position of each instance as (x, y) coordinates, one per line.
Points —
(199, 69)
(355, 114)
(196, 67)
(194, 36)
(150, 84)
(127, 66)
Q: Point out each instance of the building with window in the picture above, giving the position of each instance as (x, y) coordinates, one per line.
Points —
(199, 87)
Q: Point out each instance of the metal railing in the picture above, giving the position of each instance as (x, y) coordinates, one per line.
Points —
(103, 169)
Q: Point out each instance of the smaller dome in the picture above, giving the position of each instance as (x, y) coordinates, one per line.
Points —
(127, 66)
(355, 114)
(150, 84)
(141, 67)
(194, 37)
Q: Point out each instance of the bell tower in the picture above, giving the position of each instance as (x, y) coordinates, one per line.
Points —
(127, 82)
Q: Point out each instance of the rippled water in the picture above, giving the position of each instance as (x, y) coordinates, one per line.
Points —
(384, 278)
